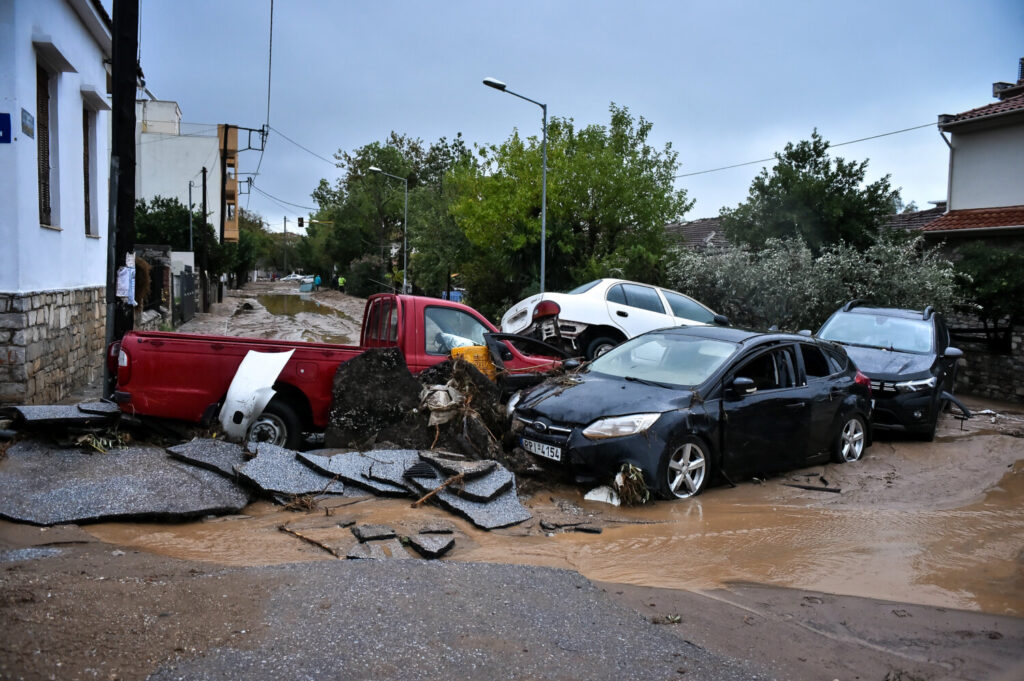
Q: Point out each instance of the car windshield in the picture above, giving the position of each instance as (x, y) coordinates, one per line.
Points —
(584, 288)
(879, 331)
(665, 358)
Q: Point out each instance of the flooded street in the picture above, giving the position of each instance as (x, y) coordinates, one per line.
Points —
(937, 524)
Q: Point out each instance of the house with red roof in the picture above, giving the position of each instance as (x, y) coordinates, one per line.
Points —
(985, 195)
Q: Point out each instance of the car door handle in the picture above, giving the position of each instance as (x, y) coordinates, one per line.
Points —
(622, 313)
(796, 405)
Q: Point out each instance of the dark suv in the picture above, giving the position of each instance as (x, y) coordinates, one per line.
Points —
(907, 356)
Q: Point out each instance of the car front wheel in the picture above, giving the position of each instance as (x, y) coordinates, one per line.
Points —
(599, 346)
(850, 441)
(277, 425)
(685, 470)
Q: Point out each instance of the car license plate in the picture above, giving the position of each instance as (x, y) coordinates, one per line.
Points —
(541, 449)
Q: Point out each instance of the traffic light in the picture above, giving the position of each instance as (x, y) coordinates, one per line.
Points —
(300, 222)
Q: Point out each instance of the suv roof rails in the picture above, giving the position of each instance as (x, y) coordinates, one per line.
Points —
(928, 312)
(853, 303)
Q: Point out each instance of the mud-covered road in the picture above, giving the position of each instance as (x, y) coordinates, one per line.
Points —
(915, 570)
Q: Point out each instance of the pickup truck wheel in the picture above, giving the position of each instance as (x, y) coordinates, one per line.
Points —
(277, 425)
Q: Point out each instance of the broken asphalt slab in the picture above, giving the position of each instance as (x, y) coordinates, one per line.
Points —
(503, 510)
(353, 468)
(276, 470)
(370, 532)
(418, 620)
(85, 414)
(216, 455)
(431, 545)
(48, 485)
(389, 549)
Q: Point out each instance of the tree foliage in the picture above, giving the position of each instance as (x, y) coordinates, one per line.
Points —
(808, 194)
(609, 195)
(163, 221)
(991, 279)
(785, 284)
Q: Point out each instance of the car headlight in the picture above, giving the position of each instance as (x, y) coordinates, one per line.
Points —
(915, 386)
(512, 402)
(619, 426)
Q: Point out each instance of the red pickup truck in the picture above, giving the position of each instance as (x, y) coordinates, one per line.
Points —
(186, 377)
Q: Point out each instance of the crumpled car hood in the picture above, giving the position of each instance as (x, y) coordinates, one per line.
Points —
(584, 398)
(884, 364)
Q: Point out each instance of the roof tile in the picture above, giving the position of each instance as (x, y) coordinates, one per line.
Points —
(977, 218)
(1008, 105)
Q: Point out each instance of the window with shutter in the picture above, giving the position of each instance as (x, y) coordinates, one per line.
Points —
(43, 143)
(86, 160)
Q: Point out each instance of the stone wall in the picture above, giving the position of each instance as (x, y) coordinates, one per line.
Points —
(51, 343)
(992, 375)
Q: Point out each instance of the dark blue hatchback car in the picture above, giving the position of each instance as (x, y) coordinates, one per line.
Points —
(684, 404)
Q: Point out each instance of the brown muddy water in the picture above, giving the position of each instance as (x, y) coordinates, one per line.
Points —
(968, 557)
(315, 319)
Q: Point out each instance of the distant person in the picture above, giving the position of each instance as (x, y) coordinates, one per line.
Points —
(341, 283)
(316, 282)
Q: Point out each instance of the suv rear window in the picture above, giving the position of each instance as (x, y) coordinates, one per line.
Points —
(880, 331)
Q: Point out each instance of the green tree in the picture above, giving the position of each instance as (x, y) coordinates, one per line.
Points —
(254, 244)
(990, 278)
(163, 221)
(609, 196)
(809, 194)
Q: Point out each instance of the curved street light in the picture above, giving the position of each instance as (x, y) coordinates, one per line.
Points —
(500, 86)
(405, 227)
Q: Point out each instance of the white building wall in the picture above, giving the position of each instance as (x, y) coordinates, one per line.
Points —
(987, 168)
(32, 257)
(166, 163)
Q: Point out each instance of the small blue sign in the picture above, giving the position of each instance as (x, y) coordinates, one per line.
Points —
(5, 128)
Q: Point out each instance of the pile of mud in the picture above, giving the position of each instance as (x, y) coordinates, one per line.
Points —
(376, 400)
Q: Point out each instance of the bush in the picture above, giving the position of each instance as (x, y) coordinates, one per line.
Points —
(784, 284)
(364, 276)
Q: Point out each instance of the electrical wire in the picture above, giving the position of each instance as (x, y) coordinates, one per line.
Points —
(270, 64)
(309, 151)
(274, 198)
(772, 159)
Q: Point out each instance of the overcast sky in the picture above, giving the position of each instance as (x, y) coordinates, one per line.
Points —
(723, 81)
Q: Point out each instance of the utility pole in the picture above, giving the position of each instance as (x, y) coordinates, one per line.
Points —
(190, 216)
(202, 254)
(121, 209)
(224, 179)
(286, 245)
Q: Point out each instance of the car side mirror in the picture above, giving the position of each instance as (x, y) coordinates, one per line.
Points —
(721, 320)
(571, 364)
(804, 332)
(952, 353)
(743, 386)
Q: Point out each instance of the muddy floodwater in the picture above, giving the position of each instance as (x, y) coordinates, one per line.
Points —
(937, 523)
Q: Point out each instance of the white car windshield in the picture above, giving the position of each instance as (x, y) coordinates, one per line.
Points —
(879, 331)
(667, 358)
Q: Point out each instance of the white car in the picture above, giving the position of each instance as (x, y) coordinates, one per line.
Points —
(595, 317)
(293, 277)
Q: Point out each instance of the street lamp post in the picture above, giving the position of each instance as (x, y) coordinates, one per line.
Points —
(405, 228)
(498, 85)
(190, 215)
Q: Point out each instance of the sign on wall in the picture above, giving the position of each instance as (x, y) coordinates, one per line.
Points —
(5, 128)
(28, 123)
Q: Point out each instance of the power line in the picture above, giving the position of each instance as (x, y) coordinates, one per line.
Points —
(274, 198)
(838, 144)
(310, 151)
(270, 64)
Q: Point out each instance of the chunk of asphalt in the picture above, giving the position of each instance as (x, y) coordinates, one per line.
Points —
(498, 480)
(276, 470)
(218, 456)
(353, 468)
(454, 464)
(431, 545)
(86, 414)
(366, 533)
(34, 553)
(46, 484)
(390, 549)
(389, 466)
(503, 510)
(438, 527)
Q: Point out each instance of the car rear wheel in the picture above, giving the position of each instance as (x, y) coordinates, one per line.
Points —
(685, 470)
(599, 346)
(850, 441)
(277, 425)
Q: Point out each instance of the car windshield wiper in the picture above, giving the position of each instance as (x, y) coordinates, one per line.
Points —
(647, 381)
